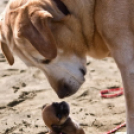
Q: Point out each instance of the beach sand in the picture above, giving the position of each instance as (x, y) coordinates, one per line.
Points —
(23, 91)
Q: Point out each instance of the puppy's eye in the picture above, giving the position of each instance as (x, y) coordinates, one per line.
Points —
(46, 61)
(59, 116)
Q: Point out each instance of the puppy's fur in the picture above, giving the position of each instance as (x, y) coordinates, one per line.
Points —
(56, 118)
(57, 35)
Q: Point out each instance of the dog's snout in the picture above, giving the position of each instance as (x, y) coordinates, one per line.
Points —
(83, 71)
(64, 107)
(64, 91)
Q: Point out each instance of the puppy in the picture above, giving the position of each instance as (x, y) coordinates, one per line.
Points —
(56, 117)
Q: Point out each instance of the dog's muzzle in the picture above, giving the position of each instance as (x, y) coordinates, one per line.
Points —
(62, 109)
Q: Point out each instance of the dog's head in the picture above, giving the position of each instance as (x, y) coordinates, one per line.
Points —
(44, 36)
(55, 115)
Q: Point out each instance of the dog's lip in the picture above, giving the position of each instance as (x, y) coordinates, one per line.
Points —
(62, 97)
(68, 118)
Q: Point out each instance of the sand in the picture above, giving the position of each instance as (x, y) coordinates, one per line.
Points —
(23, 91)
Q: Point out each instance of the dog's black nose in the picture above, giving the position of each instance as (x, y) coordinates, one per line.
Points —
(83, 71)
(64, 107)
(64, 91)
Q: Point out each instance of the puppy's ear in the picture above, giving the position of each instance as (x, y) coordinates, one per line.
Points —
(35, 28)
(81, 131)
(7, 53)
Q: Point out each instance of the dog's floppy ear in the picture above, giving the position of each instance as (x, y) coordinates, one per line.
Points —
(7, 53)
(37, 31)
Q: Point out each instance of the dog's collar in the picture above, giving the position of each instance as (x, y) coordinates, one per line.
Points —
(62, 7)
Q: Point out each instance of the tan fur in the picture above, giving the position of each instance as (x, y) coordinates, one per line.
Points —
(7, 53)
(98, 28)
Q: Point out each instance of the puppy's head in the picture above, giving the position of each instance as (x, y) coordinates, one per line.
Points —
(55, 114)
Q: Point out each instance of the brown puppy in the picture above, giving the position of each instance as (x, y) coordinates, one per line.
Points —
(56, 118)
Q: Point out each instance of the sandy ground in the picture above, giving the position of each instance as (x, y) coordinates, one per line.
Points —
(24, 90)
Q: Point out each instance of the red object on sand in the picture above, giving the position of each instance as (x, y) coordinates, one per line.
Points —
(115, 129)
(111, 93)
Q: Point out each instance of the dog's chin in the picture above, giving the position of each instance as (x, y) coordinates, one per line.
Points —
(63, 120)
(62, 111)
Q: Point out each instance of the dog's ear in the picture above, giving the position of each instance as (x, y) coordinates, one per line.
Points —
(81, 131)
(36, 30)
(8, 54)
(6, 51)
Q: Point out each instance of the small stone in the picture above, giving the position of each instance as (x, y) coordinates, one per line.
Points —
(83, 124)
(15, 87)
(2, 60)
(92, 114)
(81, 110)
(21, 129)
(28, 116)
(97, 123)
(117, 123)
(92, 71)
(110, 105)
(88, 63)
(22, 71)
(36, 125)
(23, 85)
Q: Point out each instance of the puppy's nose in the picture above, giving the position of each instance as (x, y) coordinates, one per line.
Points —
(64, 107)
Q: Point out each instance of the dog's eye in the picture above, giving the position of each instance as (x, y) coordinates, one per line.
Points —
(46, 61)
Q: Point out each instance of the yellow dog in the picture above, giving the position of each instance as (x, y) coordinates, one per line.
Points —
(57, 35)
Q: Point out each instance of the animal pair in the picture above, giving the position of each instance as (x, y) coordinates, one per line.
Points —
(57, 119)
